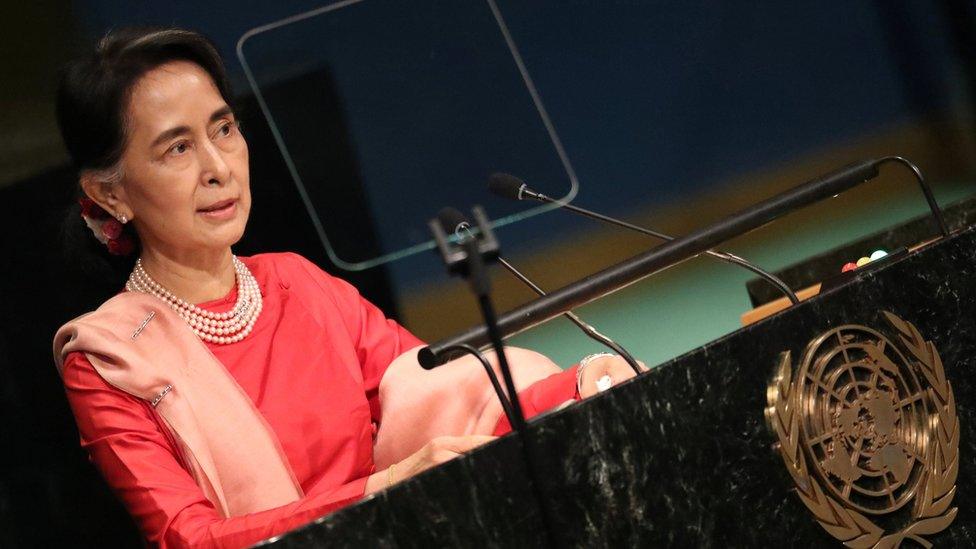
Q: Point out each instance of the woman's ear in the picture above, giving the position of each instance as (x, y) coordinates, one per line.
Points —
(107, 194)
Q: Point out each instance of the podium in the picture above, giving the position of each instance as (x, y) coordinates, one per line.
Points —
(823, 424)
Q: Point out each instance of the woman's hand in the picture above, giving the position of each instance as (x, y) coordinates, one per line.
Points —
(599, 369)
(435, 452)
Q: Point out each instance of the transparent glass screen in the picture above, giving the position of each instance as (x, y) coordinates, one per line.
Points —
(386, 111)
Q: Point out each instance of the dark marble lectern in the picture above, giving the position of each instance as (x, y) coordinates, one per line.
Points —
(684, 455)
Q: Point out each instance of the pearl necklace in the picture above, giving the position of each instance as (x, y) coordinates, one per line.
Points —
(222, 328)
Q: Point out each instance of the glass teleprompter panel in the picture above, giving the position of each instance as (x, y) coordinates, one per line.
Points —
(386, 111)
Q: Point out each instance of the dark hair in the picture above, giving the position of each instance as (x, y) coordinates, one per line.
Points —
(92, 102)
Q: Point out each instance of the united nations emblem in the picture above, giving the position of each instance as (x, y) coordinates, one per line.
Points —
(864, 427)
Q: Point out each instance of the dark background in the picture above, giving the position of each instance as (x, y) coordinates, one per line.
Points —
(656, 102)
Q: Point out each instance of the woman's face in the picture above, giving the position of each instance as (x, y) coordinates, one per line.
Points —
(185, 165)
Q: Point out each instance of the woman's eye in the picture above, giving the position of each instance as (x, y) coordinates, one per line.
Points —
(179, 148)
(225, 130)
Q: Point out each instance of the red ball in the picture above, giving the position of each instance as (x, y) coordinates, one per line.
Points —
(848, 267)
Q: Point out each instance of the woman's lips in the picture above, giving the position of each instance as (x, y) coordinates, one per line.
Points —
(222, 210)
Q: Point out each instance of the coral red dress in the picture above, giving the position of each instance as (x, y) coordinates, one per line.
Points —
(312, 366)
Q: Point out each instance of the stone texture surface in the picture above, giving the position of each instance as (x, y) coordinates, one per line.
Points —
(680, 456)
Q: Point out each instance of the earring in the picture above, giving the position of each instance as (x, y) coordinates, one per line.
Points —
(123, 219)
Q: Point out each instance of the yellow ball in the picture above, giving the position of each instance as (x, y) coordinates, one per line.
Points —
(863, 261)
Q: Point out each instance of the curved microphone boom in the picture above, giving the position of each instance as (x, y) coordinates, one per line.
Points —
(671, 253)
(455, 223)
(511, 187)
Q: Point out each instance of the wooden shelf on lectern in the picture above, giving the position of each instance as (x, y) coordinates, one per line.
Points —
(773, 307)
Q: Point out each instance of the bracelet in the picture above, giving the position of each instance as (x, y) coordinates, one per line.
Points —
(586, 360)
(389, 475)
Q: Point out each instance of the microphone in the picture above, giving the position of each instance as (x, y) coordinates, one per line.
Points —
(511, 187)
(453, 221)
(474, 270)
(655, 260)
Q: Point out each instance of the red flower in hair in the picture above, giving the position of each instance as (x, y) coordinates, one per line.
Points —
(123, 245)
(106, 228)
(111, 228)
(90, 209)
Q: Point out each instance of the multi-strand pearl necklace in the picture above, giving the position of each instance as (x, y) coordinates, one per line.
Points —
(223, 328)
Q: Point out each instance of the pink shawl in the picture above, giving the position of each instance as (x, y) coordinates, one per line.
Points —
(454, 399)
(139, 345)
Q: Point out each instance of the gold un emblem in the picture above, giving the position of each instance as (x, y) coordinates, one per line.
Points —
(864, 428)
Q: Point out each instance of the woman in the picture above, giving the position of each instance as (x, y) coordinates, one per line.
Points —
(225, 399)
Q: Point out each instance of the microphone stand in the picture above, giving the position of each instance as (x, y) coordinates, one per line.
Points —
(463, 230)
(468, 260)
(575, 319)
(670, 253)
(724, 256)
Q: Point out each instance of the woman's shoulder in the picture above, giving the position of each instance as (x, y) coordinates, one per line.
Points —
(278, 264)
(288, 268)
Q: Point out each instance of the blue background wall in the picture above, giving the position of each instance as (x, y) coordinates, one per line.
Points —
(654, 101)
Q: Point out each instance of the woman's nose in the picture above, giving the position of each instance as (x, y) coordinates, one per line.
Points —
(214, 169)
